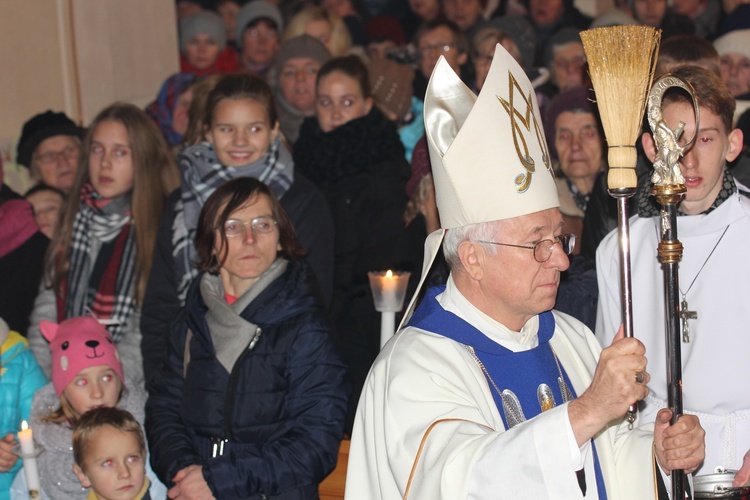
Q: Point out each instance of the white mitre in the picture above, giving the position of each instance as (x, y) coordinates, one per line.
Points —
(489, 156)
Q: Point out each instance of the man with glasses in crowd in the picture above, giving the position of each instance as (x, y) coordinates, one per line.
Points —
(434, 39)
(50, 147)
(487, 392)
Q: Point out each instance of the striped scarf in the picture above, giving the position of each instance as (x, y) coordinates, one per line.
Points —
(102, 262)
(201, 173)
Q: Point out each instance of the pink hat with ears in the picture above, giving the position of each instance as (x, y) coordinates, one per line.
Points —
(76, 344)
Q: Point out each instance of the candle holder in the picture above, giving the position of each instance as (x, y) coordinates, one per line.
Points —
(388, 293)
(30, 468)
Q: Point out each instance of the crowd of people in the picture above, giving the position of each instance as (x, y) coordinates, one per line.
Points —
(185, 308)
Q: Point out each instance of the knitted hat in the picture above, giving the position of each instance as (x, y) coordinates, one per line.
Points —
(575, 99)
(734, 42)
(257, 9)
(41, 127)
(488, 153)
(391, 86)
(382, 28)
(302, 46)
(76, 344)
(203, 23)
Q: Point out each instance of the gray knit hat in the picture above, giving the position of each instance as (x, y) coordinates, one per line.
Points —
(257, 9)
(302, 46)
(203, 23)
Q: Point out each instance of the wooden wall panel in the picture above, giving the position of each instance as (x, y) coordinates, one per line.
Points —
(78, 56)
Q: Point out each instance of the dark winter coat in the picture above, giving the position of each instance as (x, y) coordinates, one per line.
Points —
(281, 409)
(311, 217)
(361, 170)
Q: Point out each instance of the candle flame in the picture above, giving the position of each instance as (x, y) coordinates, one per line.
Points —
(389, 274)
(24, 425)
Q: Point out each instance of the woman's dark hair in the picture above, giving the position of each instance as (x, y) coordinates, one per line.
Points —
(351, 66)
(240, 86)
(228, 198)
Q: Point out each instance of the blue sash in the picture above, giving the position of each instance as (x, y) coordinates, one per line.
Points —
(521, 372)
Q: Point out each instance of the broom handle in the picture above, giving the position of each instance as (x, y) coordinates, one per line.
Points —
(626, 292)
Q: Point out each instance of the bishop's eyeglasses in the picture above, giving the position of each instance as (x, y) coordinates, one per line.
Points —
(543, 249)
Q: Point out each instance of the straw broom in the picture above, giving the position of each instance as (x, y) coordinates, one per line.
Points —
(621, 61)
(621, 64)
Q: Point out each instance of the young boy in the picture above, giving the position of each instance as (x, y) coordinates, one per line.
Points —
(110, 454)
(713, 225)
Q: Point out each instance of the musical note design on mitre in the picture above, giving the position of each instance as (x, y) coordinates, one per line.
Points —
(526, 118)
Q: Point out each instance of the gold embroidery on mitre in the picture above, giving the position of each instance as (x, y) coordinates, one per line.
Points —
(523, 181)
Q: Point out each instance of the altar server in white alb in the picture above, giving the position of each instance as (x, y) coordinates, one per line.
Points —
(713, 225)
(487, 393)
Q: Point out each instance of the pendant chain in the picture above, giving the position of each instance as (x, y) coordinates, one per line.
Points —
(704, 263)
(567, 395)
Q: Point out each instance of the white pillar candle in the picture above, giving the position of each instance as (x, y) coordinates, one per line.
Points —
(26, 438)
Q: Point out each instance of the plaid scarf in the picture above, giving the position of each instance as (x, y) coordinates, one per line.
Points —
(102, 262)
(201, 174)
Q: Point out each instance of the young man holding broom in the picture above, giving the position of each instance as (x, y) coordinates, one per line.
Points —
(713, 225)
(487, 393)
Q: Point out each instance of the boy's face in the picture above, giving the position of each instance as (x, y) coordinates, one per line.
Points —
(114, 466)
(703, 164)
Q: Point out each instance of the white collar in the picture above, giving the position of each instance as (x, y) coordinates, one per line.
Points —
(452, 300)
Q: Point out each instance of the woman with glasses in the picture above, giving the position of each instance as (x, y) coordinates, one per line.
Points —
(240, 132)
(252, 398)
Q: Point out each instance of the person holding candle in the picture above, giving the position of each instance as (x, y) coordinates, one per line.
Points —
(21, 377)
(86, 374)
(252, 397)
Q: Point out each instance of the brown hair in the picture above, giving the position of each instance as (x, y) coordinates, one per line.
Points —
(711, 91)
(66, 413)
(228, 198)
(95, 419)
(155, 175)
(351, 66)
(240, 86)
(196, 130)
(688, 50)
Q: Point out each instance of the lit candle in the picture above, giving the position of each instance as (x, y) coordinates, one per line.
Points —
(26, 438)
(388, 291)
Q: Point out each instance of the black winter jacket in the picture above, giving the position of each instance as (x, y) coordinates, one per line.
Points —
(313, 224)
(281, 409)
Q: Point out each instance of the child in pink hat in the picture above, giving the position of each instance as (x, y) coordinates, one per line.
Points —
(86, 374)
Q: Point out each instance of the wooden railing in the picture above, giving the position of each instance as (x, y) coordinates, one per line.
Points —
(332, 488)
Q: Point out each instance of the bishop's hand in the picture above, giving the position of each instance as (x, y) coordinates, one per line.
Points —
(615, 387)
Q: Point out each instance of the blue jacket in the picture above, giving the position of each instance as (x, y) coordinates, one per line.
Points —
(281, 409)
(20, 377)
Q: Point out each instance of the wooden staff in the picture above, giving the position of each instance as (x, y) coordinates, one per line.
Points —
(668, 188)
(621, 62)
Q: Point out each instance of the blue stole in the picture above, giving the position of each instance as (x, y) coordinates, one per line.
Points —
(520, 372)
